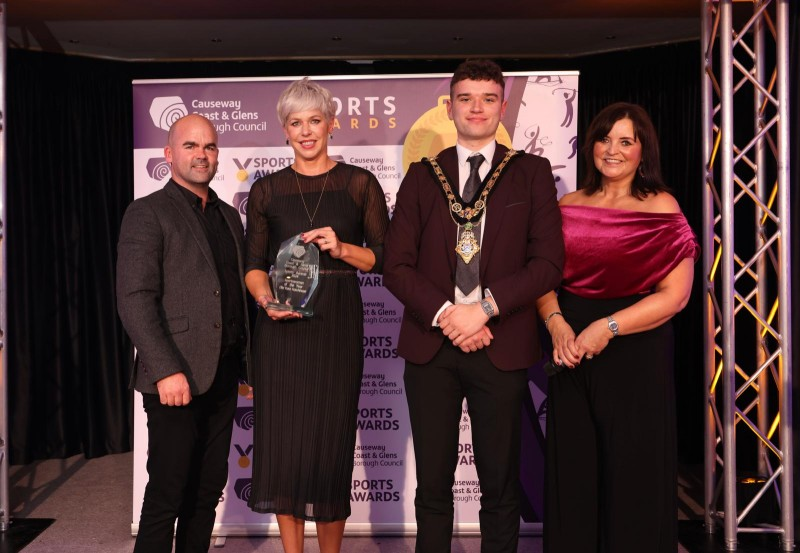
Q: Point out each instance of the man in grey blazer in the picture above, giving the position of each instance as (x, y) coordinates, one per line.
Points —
(182, 300)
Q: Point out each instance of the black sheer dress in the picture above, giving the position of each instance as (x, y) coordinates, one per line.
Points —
(307, 372)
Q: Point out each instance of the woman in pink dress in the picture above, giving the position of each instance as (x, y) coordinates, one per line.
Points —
(611, 445)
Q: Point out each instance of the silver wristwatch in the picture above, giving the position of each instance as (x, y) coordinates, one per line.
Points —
(487, 307)
(613, 326)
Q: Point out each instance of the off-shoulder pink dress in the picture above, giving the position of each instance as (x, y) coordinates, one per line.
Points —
(611, 479)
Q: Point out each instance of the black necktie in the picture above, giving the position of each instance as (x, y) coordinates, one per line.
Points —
(474, 179)
(468, 275)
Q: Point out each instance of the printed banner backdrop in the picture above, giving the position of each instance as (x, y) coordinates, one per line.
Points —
(383, 124)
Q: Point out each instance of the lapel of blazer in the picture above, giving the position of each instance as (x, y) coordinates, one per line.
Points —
(190, 219)
(494, 216)
(448, 161)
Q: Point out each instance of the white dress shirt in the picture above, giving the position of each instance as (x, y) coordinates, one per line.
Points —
(463, 174)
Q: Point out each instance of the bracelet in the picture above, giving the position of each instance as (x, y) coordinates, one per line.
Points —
(550, 316)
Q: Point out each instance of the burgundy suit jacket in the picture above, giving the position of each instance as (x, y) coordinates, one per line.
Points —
(522, 255)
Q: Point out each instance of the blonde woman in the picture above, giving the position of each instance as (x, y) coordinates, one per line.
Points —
(307, 370)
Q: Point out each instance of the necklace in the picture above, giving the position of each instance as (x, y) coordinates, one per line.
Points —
(300, 190)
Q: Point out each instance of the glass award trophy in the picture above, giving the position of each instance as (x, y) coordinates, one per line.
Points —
(295, 276)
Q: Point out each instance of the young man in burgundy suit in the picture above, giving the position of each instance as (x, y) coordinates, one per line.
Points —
(475, 239)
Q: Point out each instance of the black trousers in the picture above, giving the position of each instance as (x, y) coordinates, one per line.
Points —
(435, 392)
(611, 476)
(187, 465)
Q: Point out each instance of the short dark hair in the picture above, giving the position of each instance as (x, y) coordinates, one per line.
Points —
(478, 70)
(648, 179)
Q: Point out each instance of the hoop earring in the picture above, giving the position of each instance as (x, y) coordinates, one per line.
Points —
(641, 173)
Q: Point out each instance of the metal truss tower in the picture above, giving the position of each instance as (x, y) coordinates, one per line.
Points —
(746, 263)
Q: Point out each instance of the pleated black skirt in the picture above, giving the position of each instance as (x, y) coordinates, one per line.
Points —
(307, 380)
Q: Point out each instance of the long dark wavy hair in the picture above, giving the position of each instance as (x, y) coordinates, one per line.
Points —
(648, 179)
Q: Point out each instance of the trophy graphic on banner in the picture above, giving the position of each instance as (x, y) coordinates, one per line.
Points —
(295, 276)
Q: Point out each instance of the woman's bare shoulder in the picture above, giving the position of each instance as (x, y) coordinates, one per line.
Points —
(660, 202)
(573, 198)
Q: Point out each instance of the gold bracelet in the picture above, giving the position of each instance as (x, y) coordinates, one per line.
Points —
(551, 315)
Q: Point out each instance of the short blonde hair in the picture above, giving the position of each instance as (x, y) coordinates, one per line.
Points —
(305, 95)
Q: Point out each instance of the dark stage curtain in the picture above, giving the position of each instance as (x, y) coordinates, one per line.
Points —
(70, 179)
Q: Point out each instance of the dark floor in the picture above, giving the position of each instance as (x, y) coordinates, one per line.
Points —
(22, 532)
(695, 539)
(84, 506)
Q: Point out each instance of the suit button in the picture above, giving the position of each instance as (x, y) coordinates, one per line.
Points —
(216, 293)
(217, 325)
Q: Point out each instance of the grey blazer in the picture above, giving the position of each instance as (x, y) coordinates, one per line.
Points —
(168, 290)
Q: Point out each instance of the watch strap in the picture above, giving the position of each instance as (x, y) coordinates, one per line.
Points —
(613, 326)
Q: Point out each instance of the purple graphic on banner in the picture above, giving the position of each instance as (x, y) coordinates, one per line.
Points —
(240, 202)
(158, 168)
(244, 418)
(242, 488)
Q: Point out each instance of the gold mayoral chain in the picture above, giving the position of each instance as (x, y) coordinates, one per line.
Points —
(465, 216)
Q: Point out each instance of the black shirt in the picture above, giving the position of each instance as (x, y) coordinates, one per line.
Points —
(223, 248)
